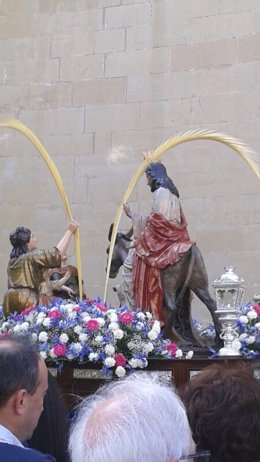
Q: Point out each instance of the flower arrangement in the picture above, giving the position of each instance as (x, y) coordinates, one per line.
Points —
(118, 339)
(248, 327)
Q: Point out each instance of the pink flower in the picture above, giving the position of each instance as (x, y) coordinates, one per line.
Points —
(120, 359)
(54, 314)
(59, 350)
(76, 308)
(101, 307)
(92, 324)
(256, 308)
(126, 318)
(27, 310)
(172, 348)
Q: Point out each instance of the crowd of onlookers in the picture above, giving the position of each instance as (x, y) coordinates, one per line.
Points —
(214, 418)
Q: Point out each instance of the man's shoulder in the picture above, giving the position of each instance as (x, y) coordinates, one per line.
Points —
(10, 452)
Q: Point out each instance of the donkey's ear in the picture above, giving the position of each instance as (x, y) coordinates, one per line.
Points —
(130, 233)
(110, 231)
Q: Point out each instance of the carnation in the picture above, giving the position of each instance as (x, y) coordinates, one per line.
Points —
(120, 371)
(109, 362)
(252, 314)
(243, 319)
(110, 349)
(64, 338)
(118, 334)
(43, 336)
(152, 334)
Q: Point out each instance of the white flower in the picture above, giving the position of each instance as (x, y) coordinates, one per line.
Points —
(68, 306)
(113, 326)
(236, 345)
(70, 356)
(34, 337)
(118, 334)
(179, 353)
(99, 339)
(252, 314)
(25, 326)
(52, 354)
(250, 339)
(93, 356)
(110, 311)
(5, 326)
(77, 346)
(143, 363)
(242, 336)
(43, 337)
(152, 335)
(46, 322)
(77, 329)
(139, 325)
(120, 371)
(83, 337)
(43, 354)
(141, 316)
(134, 363)
(156, 327)
(257, 325)
(113, 317)
(109, 362)
(148, 347)
(243, 319)
(110, 349)
(40, 318)
(64, 338)
(189, 355)
(148, 315)
(17, 328)
(72, 314)
(86, 317)
(101, 322)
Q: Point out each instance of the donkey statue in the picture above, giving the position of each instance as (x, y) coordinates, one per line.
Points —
(178, 280)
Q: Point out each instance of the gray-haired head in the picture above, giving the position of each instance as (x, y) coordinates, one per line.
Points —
(136, 419)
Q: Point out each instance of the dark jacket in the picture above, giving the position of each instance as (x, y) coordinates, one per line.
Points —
(12, 453)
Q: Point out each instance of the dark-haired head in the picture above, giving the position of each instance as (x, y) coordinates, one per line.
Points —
(51, 434)
(158, 173)
(19, 239)
(223, 406)
(19, 366)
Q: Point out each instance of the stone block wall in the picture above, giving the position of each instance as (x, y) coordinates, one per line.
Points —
(98, 80)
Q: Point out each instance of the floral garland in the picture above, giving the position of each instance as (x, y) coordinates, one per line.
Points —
(118, 339)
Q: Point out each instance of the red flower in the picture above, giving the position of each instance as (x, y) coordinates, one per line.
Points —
(256, 308)
(92, 324)
(59, 350)
(120, 359)
(126, 318)
(27, 310)
(172, 348)
(54, 314)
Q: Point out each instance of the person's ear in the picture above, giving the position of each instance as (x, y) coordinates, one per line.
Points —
(20, 401)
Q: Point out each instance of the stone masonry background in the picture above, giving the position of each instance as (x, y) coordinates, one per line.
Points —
(99, 80)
